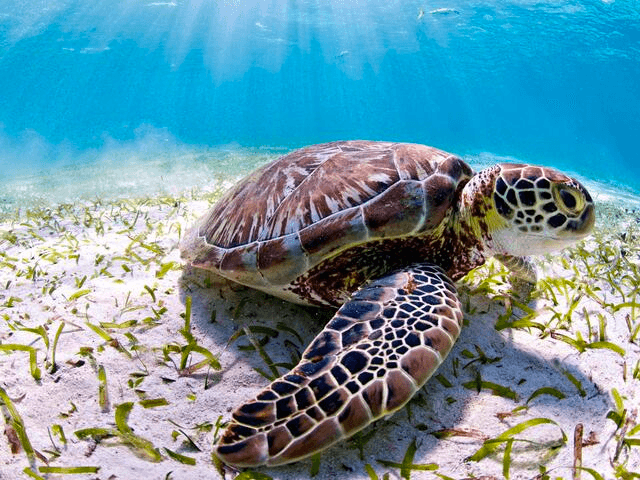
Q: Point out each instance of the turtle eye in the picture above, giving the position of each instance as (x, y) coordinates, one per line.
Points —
(569, 199)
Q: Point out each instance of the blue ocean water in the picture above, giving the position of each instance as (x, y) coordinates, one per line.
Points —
(107, 82)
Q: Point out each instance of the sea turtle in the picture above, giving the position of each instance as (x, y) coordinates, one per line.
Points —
(380, 230)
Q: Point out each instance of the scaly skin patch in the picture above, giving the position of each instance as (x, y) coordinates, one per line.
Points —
(374, 354)
(456, 250)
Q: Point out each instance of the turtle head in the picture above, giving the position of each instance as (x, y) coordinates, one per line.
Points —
(536, 210)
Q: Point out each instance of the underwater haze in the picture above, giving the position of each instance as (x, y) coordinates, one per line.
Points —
(185, 86)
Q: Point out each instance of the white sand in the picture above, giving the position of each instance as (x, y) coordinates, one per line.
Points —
(70, 253)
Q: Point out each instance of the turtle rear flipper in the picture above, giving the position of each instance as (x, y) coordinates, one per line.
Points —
(374, 354)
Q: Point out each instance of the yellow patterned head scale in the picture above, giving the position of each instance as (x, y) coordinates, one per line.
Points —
(536, 210)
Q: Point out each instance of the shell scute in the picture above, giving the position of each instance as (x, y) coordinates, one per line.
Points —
(241, 264)
(397, 211)
(204, 256)
(455, 168)
(281, 258)
(330, 234)
(328, 190)
(243, 258)
(417, 161)
(310, 184)
(439, 192)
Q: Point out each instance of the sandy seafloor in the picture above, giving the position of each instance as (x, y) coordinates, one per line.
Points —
(106, 269)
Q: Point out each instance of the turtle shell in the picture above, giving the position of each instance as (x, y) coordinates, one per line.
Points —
(316, 203)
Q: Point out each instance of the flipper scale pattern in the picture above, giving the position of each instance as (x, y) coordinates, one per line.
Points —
(370, 359)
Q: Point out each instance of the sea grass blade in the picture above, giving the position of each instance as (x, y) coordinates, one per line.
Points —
(53, 367)
(33, 359)
(15, 420)
(69, 470)
(493, 444)
(180, 458)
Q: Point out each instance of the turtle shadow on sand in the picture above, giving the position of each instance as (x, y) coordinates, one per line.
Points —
(220, 309)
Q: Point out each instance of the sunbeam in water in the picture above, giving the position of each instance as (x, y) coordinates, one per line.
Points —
(546, 82)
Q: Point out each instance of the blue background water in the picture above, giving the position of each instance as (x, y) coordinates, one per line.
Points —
(552, 82)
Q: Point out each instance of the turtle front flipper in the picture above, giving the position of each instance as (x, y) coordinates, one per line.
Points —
(524, 275)
(374, 354)
(522, 267)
